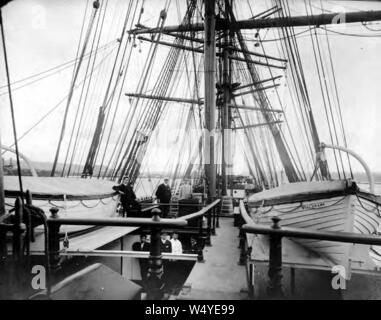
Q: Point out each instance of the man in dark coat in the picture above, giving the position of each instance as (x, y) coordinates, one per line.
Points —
(142, 245)
(165, 244)
(127, 196)
(164, 194)
(193, 246)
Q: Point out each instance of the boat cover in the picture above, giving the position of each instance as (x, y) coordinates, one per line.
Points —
(60, 186)
(298, 189)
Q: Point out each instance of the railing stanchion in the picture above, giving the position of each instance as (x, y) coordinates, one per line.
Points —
(54, 240)
(218, 215)
(208, 240)
(18, 229)
(242, 247)
(275, 264)
(200, 242)
(155, 276)
(3, 243)
(29, 232)
(214, 221)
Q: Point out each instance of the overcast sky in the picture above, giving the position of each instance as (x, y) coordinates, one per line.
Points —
(44, 33)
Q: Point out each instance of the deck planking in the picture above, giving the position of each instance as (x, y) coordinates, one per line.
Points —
(220, 276)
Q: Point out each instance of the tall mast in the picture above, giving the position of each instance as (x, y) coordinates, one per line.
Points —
(210, 95)
(225, 115)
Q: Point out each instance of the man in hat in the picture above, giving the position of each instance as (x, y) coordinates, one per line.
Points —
(164, 194)
(127, 196)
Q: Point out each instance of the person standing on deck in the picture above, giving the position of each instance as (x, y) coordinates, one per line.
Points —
(177, 247)
(164, 194)
(142, 245)
(127, 196)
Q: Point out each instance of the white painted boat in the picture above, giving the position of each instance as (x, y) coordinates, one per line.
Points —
(337, 206)
(74, 197)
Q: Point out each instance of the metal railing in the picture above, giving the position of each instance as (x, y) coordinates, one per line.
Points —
(276, 233)
(156, 224)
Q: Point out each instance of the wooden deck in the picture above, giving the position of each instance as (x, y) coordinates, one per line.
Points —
(220, 276)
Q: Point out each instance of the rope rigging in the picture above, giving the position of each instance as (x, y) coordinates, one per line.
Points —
(86, 107)
(87, 36)
(153, 111)
(113, 141)
(89, 165)
(56, 106)
(141, 84)
(11, 107)
(51, 71)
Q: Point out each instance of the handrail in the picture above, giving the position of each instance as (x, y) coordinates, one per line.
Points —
(124, 222)
(118, 222)
(348, 237)
(120, 253)
(201, 212)
(128, 253)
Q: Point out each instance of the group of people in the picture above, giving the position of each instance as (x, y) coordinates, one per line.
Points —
(168, 244)
(172, 245)
(163, 194)
(129, 201)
